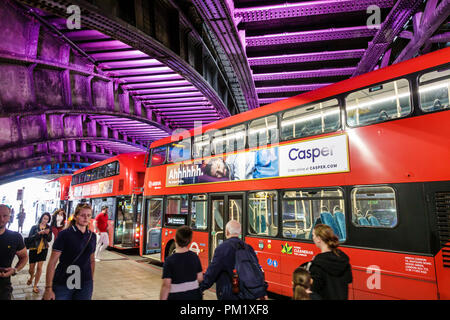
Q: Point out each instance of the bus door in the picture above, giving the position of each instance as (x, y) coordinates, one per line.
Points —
(152, 237)
(438, 198)
(125, 223)
(223, 209)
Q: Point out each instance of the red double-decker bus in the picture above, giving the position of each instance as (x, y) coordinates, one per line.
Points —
(368, 156)
(117, 183)
(57, 194)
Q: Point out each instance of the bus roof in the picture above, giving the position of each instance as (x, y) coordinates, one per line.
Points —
(410, 66)
(119, 157)
(66, 178)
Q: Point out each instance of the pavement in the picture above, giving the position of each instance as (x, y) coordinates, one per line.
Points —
(118, 276)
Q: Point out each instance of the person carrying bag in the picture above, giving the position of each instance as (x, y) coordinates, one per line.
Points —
(75, 249)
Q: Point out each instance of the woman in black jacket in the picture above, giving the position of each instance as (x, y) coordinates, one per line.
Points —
(41, 236)
(330, 270)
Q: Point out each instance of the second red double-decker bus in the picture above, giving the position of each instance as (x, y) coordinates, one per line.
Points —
(117, 183)
(57, 194)
(368, 156)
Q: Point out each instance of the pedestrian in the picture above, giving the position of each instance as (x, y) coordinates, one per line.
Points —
(11, 245)
(302, 282)
(21, 218)
(41, 236)
(221, 268)
(330, 270)
(75, 249)
(101, 228)
(58, 221)
(182, 271)
(11, 219)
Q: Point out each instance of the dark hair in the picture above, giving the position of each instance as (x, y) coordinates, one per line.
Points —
(55, 214)
(183, 236)
(104, 207)
(302, 281)
(45, 214)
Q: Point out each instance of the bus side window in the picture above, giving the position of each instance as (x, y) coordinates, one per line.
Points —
(379, 103)
(434, 89)
(374, 207)
(202, 146)
(199, 212)
(179, 151)
(262, 132)
(262, 213)
(158, 156)
(303, 210)
(217, 142)
(311, 120)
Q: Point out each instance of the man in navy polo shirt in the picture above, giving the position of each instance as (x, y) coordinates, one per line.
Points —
(11, 244)
(75, 249)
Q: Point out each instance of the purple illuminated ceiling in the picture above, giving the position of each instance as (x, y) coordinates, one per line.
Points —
(149, 81)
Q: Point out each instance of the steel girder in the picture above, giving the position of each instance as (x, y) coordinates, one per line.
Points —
(30, 170)
(57, 106)
(180, 47)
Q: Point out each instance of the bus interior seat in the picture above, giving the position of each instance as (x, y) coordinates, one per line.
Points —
(373, 221)
(318, 221)
(261, 223)
(362, 221)
(340, 221)
(383, 115)
(327, 218)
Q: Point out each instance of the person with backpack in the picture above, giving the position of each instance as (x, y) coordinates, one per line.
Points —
(235, 269)
(330, 270)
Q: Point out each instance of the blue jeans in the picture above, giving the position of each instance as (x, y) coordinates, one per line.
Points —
(64, 293)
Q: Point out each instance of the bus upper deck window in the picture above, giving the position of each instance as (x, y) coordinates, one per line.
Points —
(228, 140)
(434, 89)
(217, 142)
(311, 120)
(202, 146)
(158, 156)
(112, 169)
(379, 103)
(235, 138)
(262, 132)
(180, 151)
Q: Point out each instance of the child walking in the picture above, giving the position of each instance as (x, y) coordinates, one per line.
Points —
(302, 282)
(182, 271)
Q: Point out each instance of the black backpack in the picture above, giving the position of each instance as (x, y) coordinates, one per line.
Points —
(251, 277)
